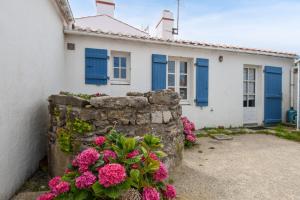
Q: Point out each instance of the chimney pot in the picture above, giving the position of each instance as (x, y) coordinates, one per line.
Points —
(105, 7)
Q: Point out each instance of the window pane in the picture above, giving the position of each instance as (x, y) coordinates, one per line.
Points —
(251, 74)
(183, 80)
(183, 67)
(245, 74)
(116, 72)
(123, 62)
(123, 73)
(116, 61)
(171, 67)
(251, 88)
(183, 93)
(171, 79)
(245, 101)
(251, 101)
(245, 87)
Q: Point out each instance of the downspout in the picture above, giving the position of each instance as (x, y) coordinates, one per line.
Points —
(292, 85)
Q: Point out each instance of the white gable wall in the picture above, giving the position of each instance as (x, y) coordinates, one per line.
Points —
(32, 63)
(107, 24)
(225, 79)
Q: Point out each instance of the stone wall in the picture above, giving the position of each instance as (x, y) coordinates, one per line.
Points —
(134, 115)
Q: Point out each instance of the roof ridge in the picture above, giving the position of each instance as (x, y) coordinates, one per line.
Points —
(115, 20)
(187, 42)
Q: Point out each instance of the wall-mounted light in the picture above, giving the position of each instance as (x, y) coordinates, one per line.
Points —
(221, 58)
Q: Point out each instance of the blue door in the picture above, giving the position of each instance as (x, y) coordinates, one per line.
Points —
(273, 95)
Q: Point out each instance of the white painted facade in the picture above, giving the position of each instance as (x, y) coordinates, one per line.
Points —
(32, 68)
(225, 104)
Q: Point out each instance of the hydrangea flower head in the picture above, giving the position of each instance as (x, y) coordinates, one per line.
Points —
(150, 194)
(46, 196)
(170, 192)
(191, 138)
(108, 154)
(161, 174)
(86, 180)
(133, 154)
(111, 174)
(54, 182)
(85, 159)
(99, 141)
(62, 187)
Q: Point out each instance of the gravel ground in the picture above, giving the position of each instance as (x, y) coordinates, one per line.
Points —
(249, 167)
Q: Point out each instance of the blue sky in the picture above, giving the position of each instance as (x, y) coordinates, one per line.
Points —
(267, 24)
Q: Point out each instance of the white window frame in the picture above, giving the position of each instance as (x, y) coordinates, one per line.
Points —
(247, 85)
(116, 81)
(177, 77)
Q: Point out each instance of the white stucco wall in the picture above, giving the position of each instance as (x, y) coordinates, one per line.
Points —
(32, 58)
(225, 79)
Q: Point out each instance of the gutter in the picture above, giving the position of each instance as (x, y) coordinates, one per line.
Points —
(169, 43)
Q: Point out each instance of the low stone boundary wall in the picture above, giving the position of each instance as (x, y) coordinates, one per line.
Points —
(134, 115)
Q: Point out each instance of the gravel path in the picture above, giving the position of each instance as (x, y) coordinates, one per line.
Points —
(249, 167)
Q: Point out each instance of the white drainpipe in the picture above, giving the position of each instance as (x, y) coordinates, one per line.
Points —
(292, 88)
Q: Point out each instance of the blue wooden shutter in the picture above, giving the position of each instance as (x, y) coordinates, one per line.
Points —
(201, 82)
(159, 72)
(273, 94)
(96, 66)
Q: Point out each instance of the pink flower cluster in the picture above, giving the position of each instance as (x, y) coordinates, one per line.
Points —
(99, 141)
(85, 159)
(170, 192)
(57, 187)
(150, 194)
(86, 180)
(161, 174)
(189, 127)
(133, 154)
(111, 174)
(108, 155)
(46, 196)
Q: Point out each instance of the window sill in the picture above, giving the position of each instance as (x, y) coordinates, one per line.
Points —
(116, 82)
(185, 103)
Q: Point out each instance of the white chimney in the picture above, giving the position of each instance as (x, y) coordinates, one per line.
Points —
(164, 28)
(105, 7)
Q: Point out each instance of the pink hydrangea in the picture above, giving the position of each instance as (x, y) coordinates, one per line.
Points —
(62, 187)
(46, 196)
(191, 138)
(170, 192)
(150, 194)
(133, 154)
(161, 174)
(54, 182)
(100, 140)
(85, 159)
(111, 174)
(108, 154)
(85, 180)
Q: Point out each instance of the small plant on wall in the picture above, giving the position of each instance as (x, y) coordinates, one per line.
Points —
(188, 129)
(115, 166)
(65, 135)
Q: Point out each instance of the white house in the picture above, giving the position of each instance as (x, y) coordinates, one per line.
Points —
(45, 51)
(219, 85)
(32, 68)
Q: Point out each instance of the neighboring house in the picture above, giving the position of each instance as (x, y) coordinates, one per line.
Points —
(219, 85)
(43, 51)
(32, 68)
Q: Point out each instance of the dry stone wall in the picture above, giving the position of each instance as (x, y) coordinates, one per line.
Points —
(134, 115)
